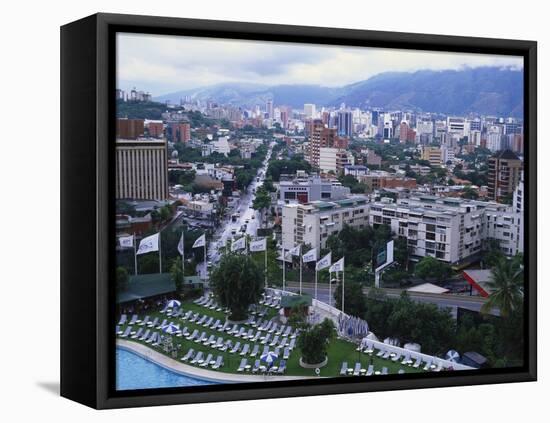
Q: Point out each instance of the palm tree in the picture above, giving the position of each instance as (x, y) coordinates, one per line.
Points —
(506, 286)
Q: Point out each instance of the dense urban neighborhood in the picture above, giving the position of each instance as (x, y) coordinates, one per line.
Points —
(336, 240)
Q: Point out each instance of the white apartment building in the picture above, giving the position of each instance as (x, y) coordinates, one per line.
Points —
(334, 159)
(314, 222)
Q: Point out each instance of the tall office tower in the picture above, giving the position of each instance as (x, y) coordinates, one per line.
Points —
(141, 169)
(456, 125)
(284, 117)
(345, 123)
(503, 175)
(269, 108)
(326, 118)
(309, 110)
(403, 132)
(323, 137)
(129, 129)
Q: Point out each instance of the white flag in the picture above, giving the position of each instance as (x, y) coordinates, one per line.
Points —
(258, 245)
(295, 251)
(311, 255)
(239, 244)
(324, 262)
(126, 241)
(338, 266)
(149, 244)
(200, 241)
(180, 245)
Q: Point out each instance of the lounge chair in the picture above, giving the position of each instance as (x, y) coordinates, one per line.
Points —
(266, 339)
(151, 338)
(158, 340)
(370, 370)
(344, 369)
(164, 309)
(153, 323)
(384, 370)
(218, 343)
(187, 315)
(256, 366)
(428, 364)
(235, 348)
(273, 328)
(184, 332)
(117, 330)
(282, 367)
(407, 359)
(280, 330)
(189, 355)
(257, 336)
(215, 324)
(218, 363)
(137, 334)
(386, 354)
(202, 320)
(245, 349)
(145, 335)
(357, 369)
(439, 367)
(240, 333)
(201, 338)
(286, 353)
(208, 322)
(292, 344)
(287, 331)
(380, 353)
(193, 335)
(282, 343)
(417, 363)
(294, 334)
(210, 340)
(145, 321)
(396, 357)
(163, 324)
(197, 357)
(234, 330)
(126, 332)
(255, 351)
(249, 334)
(223, 327)
(123, 319)
(274, 341)
(226, 345)
(242, 365)
(206, 361)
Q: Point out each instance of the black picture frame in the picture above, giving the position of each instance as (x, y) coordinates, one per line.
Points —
(87, 163)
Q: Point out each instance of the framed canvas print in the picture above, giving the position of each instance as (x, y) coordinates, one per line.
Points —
(256, 211)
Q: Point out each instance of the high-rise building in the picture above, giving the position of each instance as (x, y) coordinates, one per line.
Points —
(129, 129)
(178, 132)
(141, 169)
(433, 155)
(322, 137)
(503, 175)
(269, 108)
(345, 123)
(155, 129)
(309, 110)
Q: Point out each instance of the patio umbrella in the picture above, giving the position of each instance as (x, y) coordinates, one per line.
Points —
(269, 357)
(171, 328)
(173, 303)
(453, 356)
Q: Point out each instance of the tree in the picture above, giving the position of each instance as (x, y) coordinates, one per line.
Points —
(506, 286)
(313, 342)
(237, 282)
(177, 275)
(354, 299)
(122, 278)
(469, 193)
(262, 201)
(431, 268)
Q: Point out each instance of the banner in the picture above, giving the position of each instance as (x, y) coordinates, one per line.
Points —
(126, 241)
(338, 266)
(311, 255)
(200, 241)
(295, 251)
(149, 244)
(180, 245)
(239, 244)
(258, 245)
(324, 262)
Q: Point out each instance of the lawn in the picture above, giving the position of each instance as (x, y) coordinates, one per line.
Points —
(339, 350)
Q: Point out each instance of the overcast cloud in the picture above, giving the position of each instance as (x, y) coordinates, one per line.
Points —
(165, 64)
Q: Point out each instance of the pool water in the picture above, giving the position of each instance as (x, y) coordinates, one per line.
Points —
(134, 372)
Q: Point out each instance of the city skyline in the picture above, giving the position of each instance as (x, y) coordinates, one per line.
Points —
(165, 64)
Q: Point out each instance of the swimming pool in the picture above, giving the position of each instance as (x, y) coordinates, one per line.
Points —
(135, 372)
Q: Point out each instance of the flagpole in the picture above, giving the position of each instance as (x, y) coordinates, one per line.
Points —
(182, 255)
(160, 255)
(205, 262)
(135, 255)
(343, 284)
(329, 287)
(284, 264)
(265, 264)
(301, 265)
(316, 282)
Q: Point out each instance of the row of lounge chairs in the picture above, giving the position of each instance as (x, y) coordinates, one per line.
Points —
(406, 359)
(269, 301)
(201, 360)
(257, 367)
(357, 370)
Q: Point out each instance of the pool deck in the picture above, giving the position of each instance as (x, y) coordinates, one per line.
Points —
(192, 371)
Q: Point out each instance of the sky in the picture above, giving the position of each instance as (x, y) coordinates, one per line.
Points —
(163, 64)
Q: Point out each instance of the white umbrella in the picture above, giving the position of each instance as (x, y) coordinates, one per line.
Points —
(269, 357)
(171, 328)
(173, 303)
(453, 356)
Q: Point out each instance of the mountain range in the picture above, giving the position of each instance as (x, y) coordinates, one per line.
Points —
(483, 90)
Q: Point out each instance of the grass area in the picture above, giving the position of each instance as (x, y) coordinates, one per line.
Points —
(339, 350)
